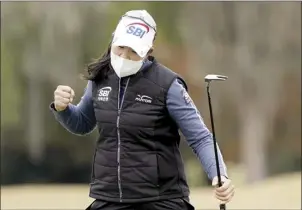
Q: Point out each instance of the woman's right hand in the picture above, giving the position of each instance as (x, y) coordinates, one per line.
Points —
(63, 95)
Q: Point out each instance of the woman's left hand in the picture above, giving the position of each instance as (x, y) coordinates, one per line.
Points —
(224, 193)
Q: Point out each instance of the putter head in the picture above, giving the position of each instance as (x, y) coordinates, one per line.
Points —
(215, 77)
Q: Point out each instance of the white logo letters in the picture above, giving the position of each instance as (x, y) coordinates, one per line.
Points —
(143, 98)
(104, 94)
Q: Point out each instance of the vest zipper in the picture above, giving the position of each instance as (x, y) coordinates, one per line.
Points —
(119, 138)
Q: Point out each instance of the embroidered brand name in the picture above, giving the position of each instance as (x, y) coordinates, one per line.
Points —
(144, 99)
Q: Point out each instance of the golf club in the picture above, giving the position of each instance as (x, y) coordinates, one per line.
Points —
(209, 78)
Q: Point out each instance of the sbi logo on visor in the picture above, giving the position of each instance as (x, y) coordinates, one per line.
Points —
(137, 29)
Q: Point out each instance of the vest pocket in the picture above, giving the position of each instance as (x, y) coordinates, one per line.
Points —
(139, 168)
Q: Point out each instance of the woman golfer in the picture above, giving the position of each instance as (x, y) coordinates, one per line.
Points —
(138, 105)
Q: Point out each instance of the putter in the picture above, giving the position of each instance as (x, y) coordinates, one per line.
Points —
(209, 78)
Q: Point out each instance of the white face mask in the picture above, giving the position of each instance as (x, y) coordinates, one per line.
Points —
(124, 67)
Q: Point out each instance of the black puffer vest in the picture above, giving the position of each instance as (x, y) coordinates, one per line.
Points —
(137, 155)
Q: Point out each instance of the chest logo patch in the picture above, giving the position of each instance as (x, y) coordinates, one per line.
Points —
(144, 99)
(103, 94)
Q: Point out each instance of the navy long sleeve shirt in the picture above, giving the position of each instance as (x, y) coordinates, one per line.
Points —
(80, 119)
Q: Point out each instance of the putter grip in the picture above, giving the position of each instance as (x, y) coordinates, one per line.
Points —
(222, 207)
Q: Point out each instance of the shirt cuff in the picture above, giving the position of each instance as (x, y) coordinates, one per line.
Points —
(53, 109)
(213, 173)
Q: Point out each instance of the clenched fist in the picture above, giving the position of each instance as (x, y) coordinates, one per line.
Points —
(63, 95)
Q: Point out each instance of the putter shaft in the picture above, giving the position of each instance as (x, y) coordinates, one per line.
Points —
(222, 206)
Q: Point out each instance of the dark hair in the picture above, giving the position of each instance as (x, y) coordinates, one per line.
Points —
(98, 69)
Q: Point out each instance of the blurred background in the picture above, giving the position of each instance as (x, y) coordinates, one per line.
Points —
(257, 110)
